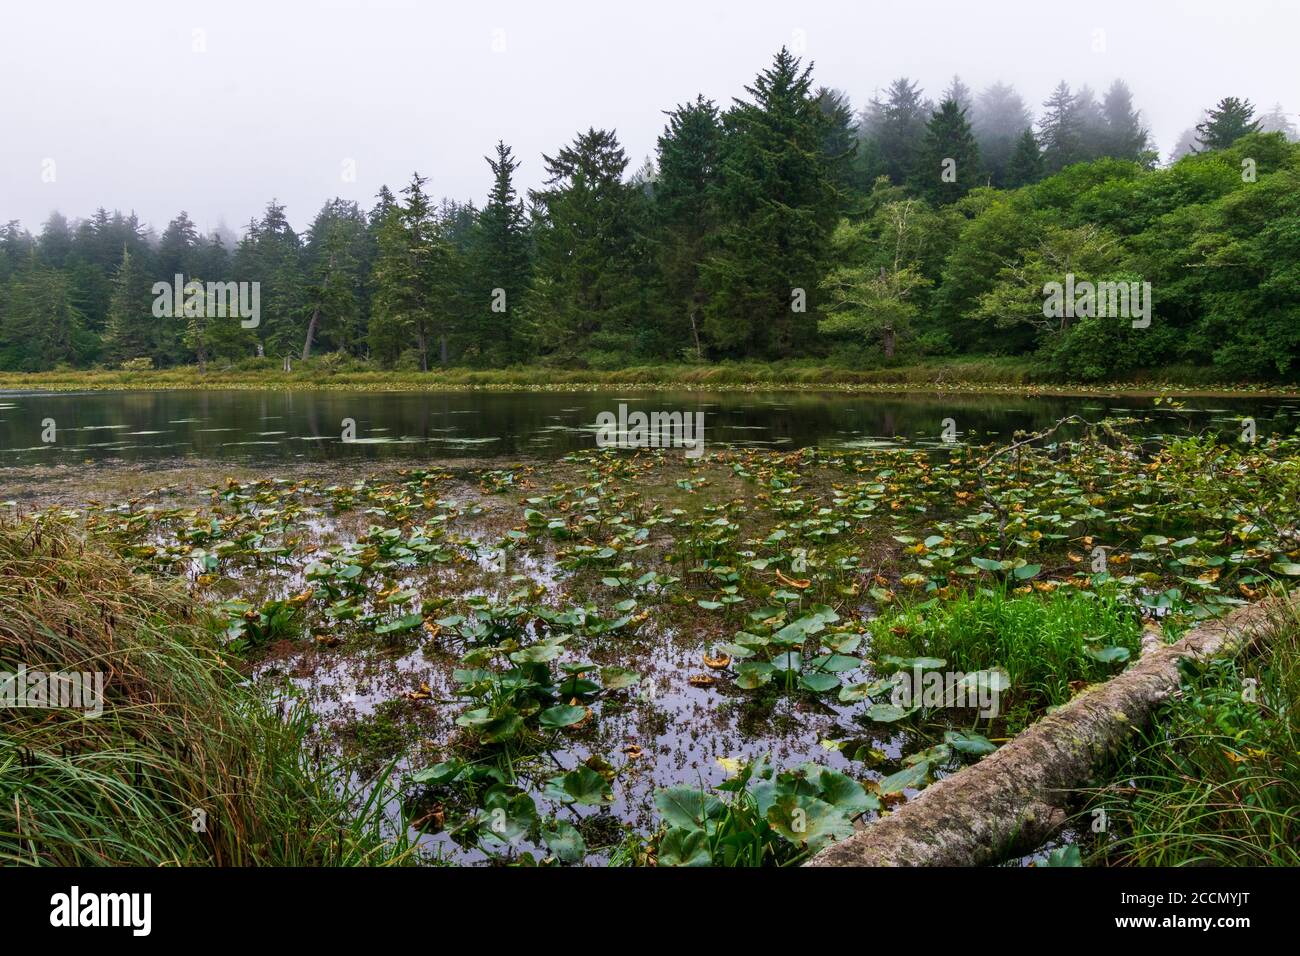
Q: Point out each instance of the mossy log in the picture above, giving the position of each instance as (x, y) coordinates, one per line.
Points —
(1014, 800)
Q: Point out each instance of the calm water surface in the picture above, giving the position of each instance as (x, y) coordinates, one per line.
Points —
(277, 425)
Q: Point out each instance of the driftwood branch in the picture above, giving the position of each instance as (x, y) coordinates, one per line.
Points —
(1014, 800)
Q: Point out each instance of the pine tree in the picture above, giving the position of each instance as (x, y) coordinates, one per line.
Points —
(1026, 163)
(412, 280)
(685, 207)
(1124, 135)
(960, 93)
(998, 119)
(41, 326)
(501, 260)
(131, 328)
(1278, 120)
(586, 297)
(1226, 123)
(948, 164)
(1060, 134)
(335, 239)
(897, 124)
(840, 145)
(778, 206)
(1091, 124)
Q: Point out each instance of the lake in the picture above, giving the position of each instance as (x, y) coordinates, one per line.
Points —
(267, 426)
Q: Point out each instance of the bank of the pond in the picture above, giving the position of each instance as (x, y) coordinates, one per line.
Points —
(974, 376)
(150, 750)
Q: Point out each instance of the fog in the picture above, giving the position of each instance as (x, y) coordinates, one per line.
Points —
(216, 108)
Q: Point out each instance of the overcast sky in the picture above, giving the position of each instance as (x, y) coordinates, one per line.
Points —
(217, 107)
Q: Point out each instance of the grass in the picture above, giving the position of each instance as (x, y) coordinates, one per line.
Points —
(1042, 643)
(1216, 781)
(180, 732)
(967, 373)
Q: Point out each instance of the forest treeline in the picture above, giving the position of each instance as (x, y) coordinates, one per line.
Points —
(786, 225)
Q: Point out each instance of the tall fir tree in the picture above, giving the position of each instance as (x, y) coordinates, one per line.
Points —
(948, 164)
(412, 275)
(501, 260)
(1025, 165)
(686, 209)
(896, 124)
(1229, 120)
(132, 329)
(840, 146)
(998, 118)
(779, 207)
(1124, 135)
(585, 301)
(1060, 134)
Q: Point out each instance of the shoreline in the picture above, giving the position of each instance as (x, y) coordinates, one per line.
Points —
(714, 380)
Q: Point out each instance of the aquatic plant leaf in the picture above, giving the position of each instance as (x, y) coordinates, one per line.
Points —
(561, 715)
(887, 713)
(909, 778)
(974, 744)
(688, 807)
(808, 821)
(565, 842)
(819, 683)
(680, 846)
(580, 785)
(1108, 655)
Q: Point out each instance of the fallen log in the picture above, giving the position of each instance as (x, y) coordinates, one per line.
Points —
(1014, 800)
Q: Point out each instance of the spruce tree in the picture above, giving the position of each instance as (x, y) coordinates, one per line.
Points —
(1059, 131)
(500, 260)
(948, 164)
(897, 124)
(685, 209)
(998, 118)
(1124, 135)
(1026, 163)
(587, 296)
(778, 205)
(1227, 122)
(131, 329)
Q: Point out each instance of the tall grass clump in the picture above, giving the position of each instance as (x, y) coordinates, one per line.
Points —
(1215, 780)
(1043, 643)
(185, 765)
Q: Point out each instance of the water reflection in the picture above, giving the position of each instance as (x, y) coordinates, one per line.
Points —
(271, 425)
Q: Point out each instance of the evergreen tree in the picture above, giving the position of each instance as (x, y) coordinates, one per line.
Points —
(840, 144)
(131, 329)
(778, 205)
(998, 119)
(41, 327)
(1060, 134)
(1090, 123)
(331, 257)
(1124, 136)
(501, 260)
(685, 206)
(411, 273)
(273, 257)
(960, 93)
(1277, 120)
(948, 164)
(586, 298)
(1026, 163)
(1226, 123)
(897, 125)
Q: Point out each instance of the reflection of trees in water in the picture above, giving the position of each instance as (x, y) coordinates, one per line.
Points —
(515, 419)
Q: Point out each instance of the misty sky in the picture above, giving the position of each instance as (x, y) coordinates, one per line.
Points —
(282, 94)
